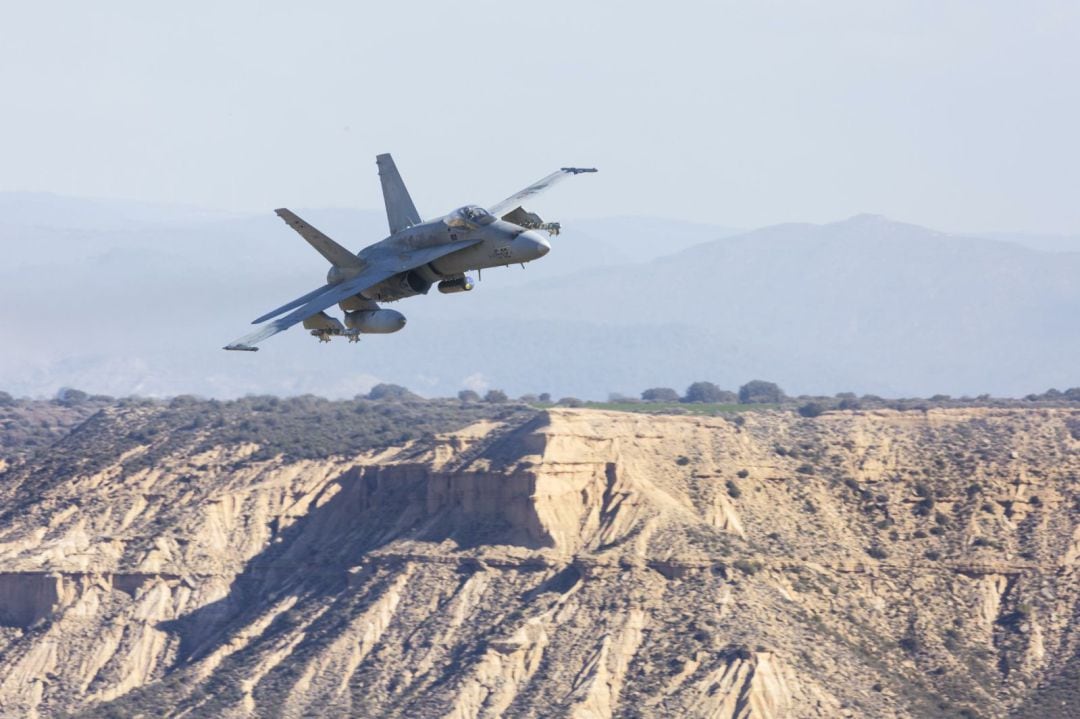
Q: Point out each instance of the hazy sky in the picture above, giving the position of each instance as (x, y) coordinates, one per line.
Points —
(958, 115)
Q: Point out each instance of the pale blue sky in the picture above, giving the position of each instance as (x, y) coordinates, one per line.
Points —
(957, 115)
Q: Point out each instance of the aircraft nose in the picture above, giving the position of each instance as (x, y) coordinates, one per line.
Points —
(536, 244)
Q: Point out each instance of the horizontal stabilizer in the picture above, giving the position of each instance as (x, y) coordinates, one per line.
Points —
(334, 253)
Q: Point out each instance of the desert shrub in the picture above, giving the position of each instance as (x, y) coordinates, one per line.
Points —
(682, 461)
(733, 489)
(495, 396)
(805, 469)
(742, 473)
(932, 554)
(468, 395)
(937, 530)
(570, 402)
(812, 409)
(660, 394)
(760, 392)
(910, 644)
(545, 397)
(6, 400)
(735, 651)
(849, 404)
(1014, 619)
(877, 552)
(1074, 427)
(748, 566)
(920, 534)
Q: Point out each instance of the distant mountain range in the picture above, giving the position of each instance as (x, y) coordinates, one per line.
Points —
(122, 298)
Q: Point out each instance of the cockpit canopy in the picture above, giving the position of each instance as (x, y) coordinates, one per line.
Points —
(474, 215)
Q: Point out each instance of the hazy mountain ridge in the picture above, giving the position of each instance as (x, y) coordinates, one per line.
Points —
(866, 305)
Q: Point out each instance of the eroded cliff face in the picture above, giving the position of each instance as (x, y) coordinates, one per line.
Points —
(579, 564)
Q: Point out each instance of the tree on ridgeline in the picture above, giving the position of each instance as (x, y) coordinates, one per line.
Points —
(391, 392)
(69, 397)
(759, 391)
(660, 394)
(708, 393)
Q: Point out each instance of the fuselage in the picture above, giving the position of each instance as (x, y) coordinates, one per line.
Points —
(415, 257)
(497, 243)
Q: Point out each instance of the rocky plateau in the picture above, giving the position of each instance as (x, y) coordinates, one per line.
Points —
(549, 563)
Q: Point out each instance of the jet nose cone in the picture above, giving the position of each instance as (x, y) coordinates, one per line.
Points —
(537, 243)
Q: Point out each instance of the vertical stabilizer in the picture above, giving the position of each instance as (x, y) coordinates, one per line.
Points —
(400, 211)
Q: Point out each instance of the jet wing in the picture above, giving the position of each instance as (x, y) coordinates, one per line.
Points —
(536, 188)
(380, 267)
(294, 304)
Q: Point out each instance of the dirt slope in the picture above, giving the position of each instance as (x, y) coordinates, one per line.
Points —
(578, 564)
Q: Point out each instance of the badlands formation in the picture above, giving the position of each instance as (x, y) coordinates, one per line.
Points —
(558, 563)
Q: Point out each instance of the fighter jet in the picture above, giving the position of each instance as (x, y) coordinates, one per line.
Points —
(417, 255)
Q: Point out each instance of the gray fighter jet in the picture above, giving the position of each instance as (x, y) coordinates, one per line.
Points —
(417, 255)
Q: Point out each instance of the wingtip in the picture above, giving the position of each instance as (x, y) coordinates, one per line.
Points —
(237, 347)
(578, 170)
